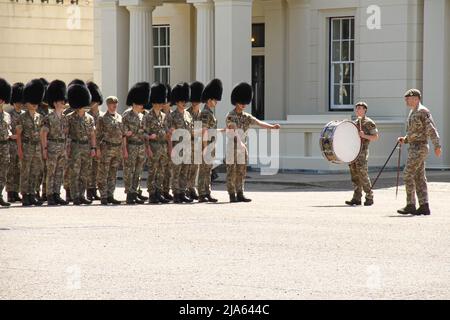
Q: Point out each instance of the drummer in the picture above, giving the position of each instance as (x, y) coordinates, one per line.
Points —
(358, 168)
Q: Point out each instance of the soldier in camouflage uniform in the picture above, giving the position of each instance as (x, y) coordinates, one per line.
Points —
(134, 140)
(28, 142)
(43, 110)
(82, 142)
(181, 120)
(5, 134)
(420, 127)
(13, 178)
(97, 100)
(238, 123)
(210, 96)
(195, 112)
(53, 140)
(358, 168)
(157, 132)
(168, 169)
(109, 137)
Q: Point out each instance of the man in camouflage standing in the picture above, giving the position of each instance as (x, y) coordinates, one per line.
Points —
(82, 143)
(13, 179)
(359, 169)
(210, 96)
(96, 102)
(5, 133)
(53, 140)
(168, 169)
(134, 140)
(109, 137)
(28, 142)
(43, 110)
(157, 133)
(238, 122)
(420, 127)
(196, 137)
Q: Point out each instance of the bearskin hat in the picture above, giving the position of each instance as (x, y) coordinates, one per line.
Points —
(180, 93)
(34, 92)
(17, 93)
(139, 94)
(56, 91)
(158, 93)
(78, 96)
(242, 93)
(96, 94)
(5, 90)
(196, 91)
(213, 90)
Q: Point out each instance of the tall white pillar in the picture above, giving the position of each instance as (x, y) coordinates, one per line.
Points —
(205, 40)
(233, 52)
(298, 57)
(436, 73)
(114, 50)
(275, 59)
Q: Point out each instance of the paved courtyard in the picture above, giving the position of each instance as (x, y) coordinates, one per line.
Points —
(294, 241)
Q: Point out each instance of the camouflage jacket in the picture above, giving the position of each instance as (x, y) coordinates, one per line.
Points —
(420, 126)
(208, 119)
(80, 128)
(156, 124)
(30, 126)
(43, 110)
(14, 119)
(5, 125)
(110, 128)
(133, 122)
(242, 121)
(95, 115)
(369, 127)
(57, 127)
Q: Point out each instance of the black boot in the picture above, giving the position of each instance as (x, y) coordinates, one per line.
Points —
(17, 197)
(3, 203)
(59, 200)
(193, 194)
(153, 199)
(89, 194)
(233, 197)
(241, 198)
(10, 197)
(104, 201)
(44, 197)
(167, 196)
(138, 200)
(184, 198)
(368, 202)
(210, 199)
(68, 196)
(409, 209)
(141, 197)
(161, 198)
(353, 202)
(83, 200)
(113, 201)
(95, 195)
(26, 200)
(423, 209)
(130, 198)
(51, 201)
(202, 198)
(37, 201)
(77, 201)
(176, 198)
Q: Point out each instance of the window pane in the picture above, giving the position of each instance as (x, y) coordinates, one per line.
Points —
(336, 95)
(352, 28)
(157, 74)
(336, 29)
(345, 50)
(155, 36)
(168, 56)
(155, 57)
(336, 51)
(337, 73)
(258, 35)
(346, 93)
(345, 29)
(165, 75)
(352, 50)
(162, 36)
(346, 72)
(163, 57)
(168, 36)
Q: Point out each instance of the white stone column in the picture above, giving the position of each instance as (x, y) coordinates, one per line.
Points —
(233, 54)
(436, 73)
(141, 40)
(275, 59)
(298, 57)
(205, 40)
(114, 32)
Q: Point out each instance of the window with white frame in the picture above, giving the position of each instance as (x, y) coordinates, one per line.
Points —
(342, 59)
(161, 53)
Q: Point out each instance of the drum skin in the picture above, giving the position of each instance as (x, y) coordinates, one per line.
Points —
(327, 142)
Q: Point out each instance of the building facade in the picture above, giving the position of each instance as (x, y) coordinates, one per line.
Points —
(309, 61)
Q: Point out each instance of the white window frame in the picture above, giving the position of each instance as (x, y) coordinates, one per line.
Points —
(333, 105)
(158, 46)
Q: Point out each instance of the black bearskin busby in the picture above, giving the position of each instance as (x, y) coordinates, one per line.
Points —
(34, 92)
(56, 91)
(5, 90)
(96, 94)
(76, 81)
(78, 96)
(180, 92)
(196, 91)
(213, 90)
(242, 93)
(158, 93)
(17, 93)
(139, 94)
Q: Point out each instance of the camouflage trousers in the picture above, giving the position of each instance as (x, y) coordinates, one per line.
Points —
(414, 174)
(67, 175)
(42, 179)
(168, 172)
(31, 166)
(110, 160)
(13, 177)
(359, 172)
(132, 167)
(204, 179)
(236, 172)
(156, 165)
(4, 163)
(92, 181)
(55, 164)
(193, 170)
(80, 162)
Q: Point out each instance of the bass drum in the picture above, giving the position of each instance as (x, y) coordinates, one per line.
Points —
(340, 142)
